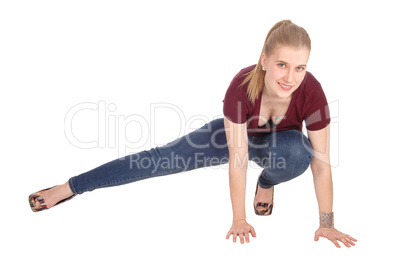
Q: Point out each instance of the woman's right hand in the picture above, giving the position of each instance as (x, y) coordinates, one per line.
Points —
(242, 229)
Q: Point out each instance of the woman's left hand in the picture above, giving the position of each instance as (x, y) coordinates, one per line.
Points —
(334, 235)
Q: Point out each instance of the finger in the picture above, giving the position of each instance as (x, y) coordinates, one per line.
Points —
(234, 238)
(317, 236)
(351, 238)
(336, 243)
(345, 242)
(228, 235)
(350, 241)
(253, 233)
(247, 238)
(241, 236)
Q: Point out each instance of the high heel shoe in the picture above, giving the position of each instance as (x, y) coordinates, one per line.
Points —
(38, 197)
(267, 206)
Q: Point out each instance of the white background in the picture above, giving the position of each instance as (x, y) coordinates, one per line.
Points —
(131, 54)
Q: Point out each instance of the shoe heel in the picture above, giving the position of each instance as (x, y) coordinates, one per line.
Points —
(267, 206)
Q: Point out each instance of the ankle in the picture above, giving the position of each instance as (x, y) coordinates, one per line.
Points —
(65, 190)
(58, 193)
(265, 195)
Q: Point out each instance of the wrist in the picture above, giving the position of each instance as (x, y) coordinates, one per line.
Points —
(327, 220)
(239, 215)
(238, 220)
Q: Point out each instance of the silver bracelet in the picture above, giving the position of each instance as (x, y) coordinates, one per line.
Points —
(327, 220)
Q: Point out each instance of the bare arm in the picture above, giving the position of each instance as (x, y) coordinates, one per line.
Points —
(321, 168)
(236, 135)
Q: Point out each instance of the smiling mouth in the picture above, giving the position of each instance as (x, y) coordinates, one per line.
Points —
(284, 86)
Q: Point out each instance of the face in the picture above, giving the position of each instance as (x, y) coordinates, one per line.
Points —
(285, 70)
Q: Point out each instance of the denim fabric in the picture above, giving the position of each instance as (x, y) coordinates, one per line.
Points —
(283, 155)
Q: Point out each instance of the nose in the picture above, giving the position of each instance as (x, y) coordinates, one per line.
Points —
(289, 77)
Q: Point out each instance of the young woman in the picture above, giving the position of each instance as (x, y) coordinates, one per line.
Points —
(264, 109)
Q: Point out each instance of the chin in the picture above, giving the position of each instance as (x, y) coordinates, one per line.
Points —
(284, 94)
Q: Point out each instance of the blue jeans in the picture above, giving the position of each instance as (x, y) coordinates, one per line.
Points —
(283, 155)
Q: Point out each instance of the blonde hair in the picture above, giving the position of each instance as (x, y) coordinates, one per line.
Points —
(283, 33)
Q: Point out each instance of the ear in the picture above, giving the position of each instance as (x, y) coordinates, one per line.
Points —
(264, 61)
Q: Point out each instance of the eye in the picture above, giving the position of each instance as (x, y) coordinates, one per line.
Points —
(282, 65)
(300, 68)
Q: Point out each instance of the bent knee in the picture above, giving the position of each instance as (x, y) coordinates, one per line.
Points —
(292, 156)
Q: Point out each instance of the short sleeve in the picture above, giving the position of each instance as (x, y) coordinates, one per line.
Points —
(317, 114)
(235, 106)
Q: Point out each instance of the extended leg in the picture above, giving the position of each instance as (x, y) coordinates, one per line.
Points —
(203, 147)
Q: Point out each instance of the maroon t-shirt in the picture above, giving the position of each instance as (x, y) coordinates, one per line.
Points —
(308, 104)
